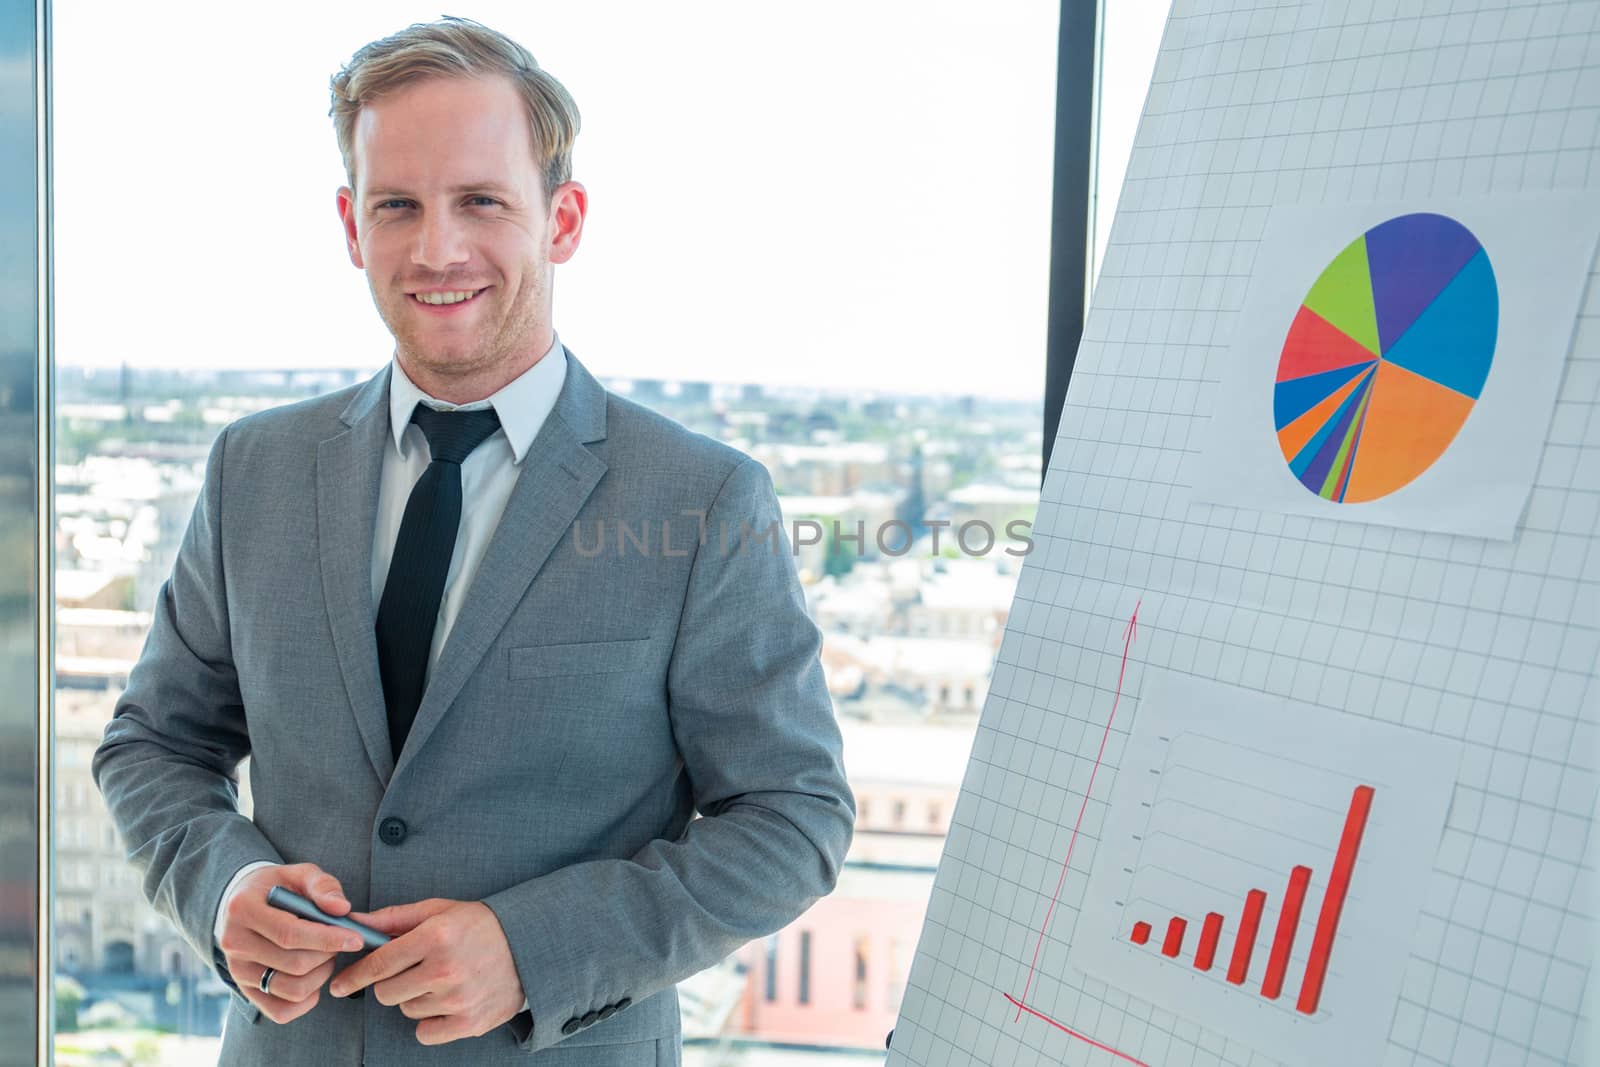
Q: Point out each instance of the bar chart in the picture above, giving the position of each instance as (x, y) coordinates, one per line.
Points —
(1262, 865)
(1248, 921)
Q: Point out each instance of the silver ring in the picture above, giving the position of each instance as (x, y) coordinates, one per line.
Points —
(266, 976)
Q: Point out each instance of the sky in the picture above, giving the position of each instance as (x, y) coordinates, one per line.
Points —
(840, 195)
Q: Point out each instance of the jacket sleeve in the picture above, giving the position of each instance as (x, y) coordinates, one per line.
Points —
(167, 763)
(755, 727)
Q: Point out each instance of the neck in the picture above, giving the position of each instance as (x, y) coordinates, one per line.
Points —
(469, 385)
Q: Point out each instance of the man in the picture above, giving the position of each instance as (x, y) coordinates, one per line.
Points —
(464, 718)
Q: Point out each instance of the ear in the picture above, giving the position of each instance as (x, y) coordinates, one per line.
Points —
(567, 210)
(347, 215)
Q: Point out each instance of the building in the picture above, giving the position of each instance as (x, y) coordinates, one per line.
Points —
(932, 677)
(828, 470)
(818, 519)
(993, 504)
(835, 976)
(103, 923)
(966, 598)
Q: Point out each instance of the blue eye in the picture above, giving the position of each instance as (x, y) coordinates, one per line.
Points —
(385, 203)
(488, 199)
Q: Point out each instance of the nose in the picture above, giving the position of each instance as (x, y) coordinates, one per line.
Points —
(441, 242)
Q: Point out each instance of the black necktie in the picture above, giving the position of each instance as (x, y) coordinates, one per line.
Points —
(421, 562)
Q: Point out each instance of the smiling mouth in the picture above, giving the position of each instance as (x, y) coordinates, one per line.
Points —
(448, 299)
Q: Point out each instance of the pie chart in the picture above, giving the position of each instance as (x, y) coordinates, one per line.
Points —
(1386, 358)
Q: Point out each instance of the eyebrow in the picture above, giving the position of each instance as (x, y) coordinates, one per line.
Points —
(385, 192)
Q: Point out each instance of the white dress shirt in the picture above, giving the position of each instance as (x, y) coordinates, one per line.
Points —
(487, 477)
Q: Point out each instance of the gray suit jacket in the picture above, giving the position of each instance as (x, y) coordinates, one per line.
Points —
(589, 701)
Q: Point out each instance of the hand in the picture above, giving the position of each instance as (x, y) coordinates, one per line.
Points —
(449, 966)
(255, 936)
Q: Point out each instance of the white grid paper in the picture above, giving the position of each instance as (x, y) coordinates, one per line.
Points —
(1493, 644)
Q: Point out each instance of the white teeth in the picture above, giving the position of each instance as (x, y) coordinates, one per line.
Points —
(445, 298)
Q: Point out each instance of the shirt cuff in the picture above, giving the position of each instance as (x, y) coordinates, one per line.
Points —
(227, 895)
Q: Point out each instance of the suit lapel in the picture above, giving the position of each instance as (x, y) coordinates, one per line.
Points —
(558, 474)
(348, 472)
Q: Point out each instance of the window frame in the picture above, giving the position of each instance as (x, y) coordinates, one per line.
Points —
(25, 35)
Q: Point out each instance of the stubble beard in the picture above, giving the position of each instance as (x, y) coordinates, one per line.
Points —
(494, 344)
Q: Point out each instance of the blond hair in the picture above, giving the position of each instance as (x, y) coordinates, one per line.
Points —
(453, 48)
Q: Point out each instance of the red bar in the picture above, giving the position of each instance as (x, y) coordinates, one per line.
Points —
(1207, 952)
(1245, 943)
(1283, 940)
(1141, 933)
(1174, 942)
(1344, 862)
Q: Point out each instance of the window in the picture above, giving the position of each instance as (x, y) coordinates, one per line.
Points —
(1131, 36)
(858, 995)
(119, 958)
(880, 409)
(896, 982)
(805, 967)
(772, 968)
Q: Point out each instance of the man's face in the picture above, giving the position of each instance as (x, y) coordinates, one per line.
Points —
(449, 201)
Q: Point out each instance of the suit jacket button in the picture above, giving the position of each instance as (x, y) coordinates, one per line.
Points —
(570, 1027)
(591, 1018)
(624, 1002)
(392, 831)
(607, 1012)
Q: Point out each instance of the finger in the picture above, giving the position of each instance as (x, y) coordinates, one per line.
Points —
(384, 962)
(323, 890)
(248, 913)
(282, 1011)
(426, 1006)
(442, 1029)
(292, 932)
(318, 978)
(294, 988)
(249, 910)
(400, 918)
(422, 981)
(306, 879)
(381, 920)
(274, 1007)
(250, 947)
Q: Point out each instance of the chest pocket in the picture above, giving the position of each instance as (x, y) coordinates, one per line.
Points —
(578, 658)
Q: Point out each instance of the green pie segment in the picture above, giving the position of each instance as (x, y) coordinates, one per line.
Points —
(1343, 296)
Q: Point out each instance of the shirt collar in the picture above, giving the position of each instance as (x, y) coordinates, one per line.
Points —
(522, 404)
